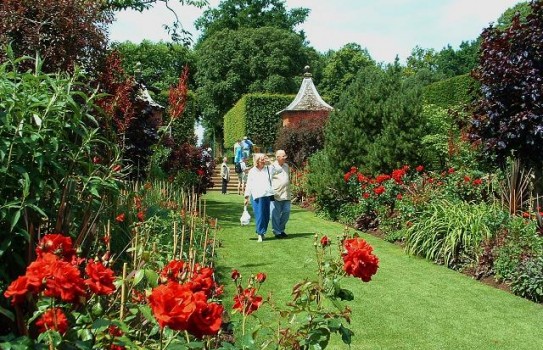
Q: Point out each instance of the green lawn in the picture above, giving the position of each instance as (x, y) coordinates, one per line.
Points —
(409, 304)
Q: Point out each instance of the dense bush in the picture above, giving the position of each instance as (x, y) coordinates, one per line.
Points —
(301, 141)
(459, 90)
(452, 232)
(527, 279)
(55, 163)
(509, 116)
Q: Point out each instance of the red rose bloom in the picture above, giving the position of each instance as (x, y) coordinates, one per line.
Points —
(172, 305)
(382, 178)
(120, 217)
(235, 275)
(100, 279)
(206, 318)
(18, 290)
(260, 277)
(57, 244)
(399, 196)
(53, 319)
(477, 182)
(325, 241)
(64, 282)
(141, 216)
(379, 190)
(366, 195)
(114, 331)
(175, 271)
(419, 168)
(247, 302)
(358, 259)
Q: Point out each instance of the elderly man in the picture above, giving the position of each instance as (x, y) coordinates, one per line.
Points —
(280, 207)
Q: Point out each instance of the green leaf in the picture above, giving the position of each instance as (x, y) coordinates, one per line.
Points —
(152, 277)
(7, 313)
(100, 325)
(146, 312)
(345, 294)
(15, 219)
(138, 277)
(346, 334)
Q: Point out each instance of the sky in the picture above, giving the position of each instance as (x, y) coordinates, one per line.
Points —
(386, 28)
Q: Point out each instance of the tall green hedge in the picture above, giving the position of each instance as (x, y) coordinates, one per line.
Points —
(255, 115)
(450, 92)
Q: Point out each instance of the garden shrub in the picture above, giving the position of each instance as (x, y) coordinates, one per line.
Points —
(459, 90)
(451, 232)
(301, 141)
(55, 163)
(519, 241)
(527, 279)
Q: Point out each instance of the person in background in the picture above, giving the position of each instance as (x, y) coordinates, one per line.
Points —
(280, 207)
(238, 153)
(247, 147)
(242, 175)
(259, 190)
(225, 174)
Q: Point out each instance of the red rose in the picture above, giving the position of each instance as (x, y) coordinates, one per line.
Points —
(100, 279)
(53, 319)
(235, 275)
(114, 331)
(120, 217)
(18, 290)
(379, 190)
(477, 182)
(260, 277)
(116, 168)
(247, 302)
(382, 178)
(467, 179)
(57, 244)
(64, 282)
(141, 216)
(399, 196)
(175, 271)
(358, 259)
(172, 304)
(206, 318)
(366, 195)
(325, 241)
(419, 168)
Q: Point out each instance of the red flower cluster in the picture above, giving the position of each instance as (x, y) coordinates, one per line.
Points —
(359, 260)
(58, 275)
(199, 279)
(176, 306)
(247, 301)
(53, 319)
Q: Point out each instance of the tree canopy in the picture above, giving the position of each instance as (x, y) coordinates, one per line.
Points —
(236, 14)
(65, 33)
(341, 69)
(509, 117)
(231, 63)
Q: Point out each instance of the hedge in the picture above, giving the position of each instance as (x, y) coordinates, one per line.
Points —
(255, 116)
(454, 91)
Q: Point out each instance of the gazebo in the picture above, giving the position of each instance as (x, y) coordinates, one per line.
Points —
(307, 104)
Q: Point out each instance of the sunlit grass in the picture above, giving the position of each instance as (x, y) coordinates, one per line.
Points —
(410, 304)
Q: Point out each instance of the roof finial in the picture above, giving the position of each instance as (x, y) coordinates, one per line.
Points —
(306, 72)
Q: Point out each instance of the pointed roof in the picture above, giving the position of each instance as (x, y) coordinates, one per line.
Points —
(308, 98)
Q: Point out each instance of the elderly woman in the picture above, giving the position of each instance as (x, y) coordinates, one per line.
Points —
(259, 189)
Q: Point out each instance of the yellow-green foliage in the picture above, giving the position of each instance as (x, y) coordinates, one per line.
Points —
(255, 115)
(450, 92)
(234, 123)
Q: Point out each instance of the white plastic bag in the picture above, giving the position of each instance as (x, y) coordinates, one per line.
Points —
(245, 217)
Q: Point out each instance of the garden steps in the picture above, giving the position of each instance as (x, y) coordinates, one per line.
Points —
(232, 187)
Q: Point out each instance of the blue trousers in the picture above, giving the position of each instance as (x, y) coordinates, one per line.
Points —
(280, 213)
(261, 210)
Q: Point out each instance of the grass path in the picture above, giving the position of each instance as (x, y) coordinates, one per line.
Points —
(409, 304)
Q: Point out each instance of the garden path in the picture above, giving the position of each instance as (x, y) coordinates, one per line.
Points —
(409, 304)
